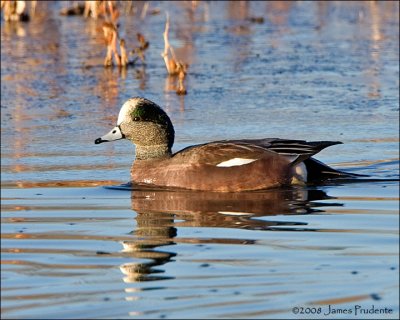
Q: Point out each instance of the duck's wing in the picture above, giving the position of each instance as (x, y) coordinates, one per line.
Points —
(234, 152)
(219, 152)
(316, 170)
(288, 147)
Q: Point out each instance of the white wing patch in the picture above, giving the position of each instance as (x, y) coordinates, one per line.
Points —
(230, 213)
(235, 162)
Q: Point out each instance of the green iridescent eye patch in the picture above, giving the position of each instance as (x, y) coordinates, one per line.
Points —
(149, 112)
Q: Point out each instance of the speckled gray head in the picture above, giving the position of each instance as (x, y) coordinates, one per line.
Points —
(142, 122)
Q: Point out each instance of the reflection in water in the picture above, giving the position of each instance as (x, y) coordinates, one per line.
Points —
(107, 85)
(224, 209)
(153, 230)
(140, 74)
(46, 59)
(161, 212)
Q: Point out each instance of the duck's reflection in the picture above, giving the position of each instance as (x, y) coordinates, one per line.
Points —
(160, 213)
(154, 229)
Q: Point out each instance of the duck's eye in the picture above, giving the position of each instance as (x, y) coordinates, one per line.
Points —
(114, 131)
(136, 119)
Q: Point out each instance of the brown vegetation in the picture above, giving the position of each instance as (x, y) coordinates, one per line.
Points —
(16, 10)
(111, 36)
(174, 67)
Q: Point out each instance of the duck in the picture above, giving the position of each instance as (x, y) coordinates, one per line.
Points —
(220, 166)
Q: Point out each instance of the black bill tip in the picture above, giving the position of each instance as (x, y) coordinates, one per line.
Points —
(99, 140)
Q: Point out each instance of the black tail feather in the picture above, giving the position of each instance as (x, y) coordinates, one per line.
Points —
(318, 171)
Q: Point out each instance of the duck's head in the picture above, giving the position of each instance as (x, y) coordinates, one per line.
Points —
(144, 123)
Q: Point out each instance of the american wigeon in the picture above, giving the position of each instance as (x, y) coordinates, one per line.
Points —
(228, 165)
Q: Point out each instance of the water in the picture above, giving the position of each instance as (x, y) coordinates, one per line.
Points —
(312, 70)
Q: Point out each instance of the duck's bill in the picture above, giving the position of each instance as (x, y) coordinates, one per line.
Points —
(114, 134)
